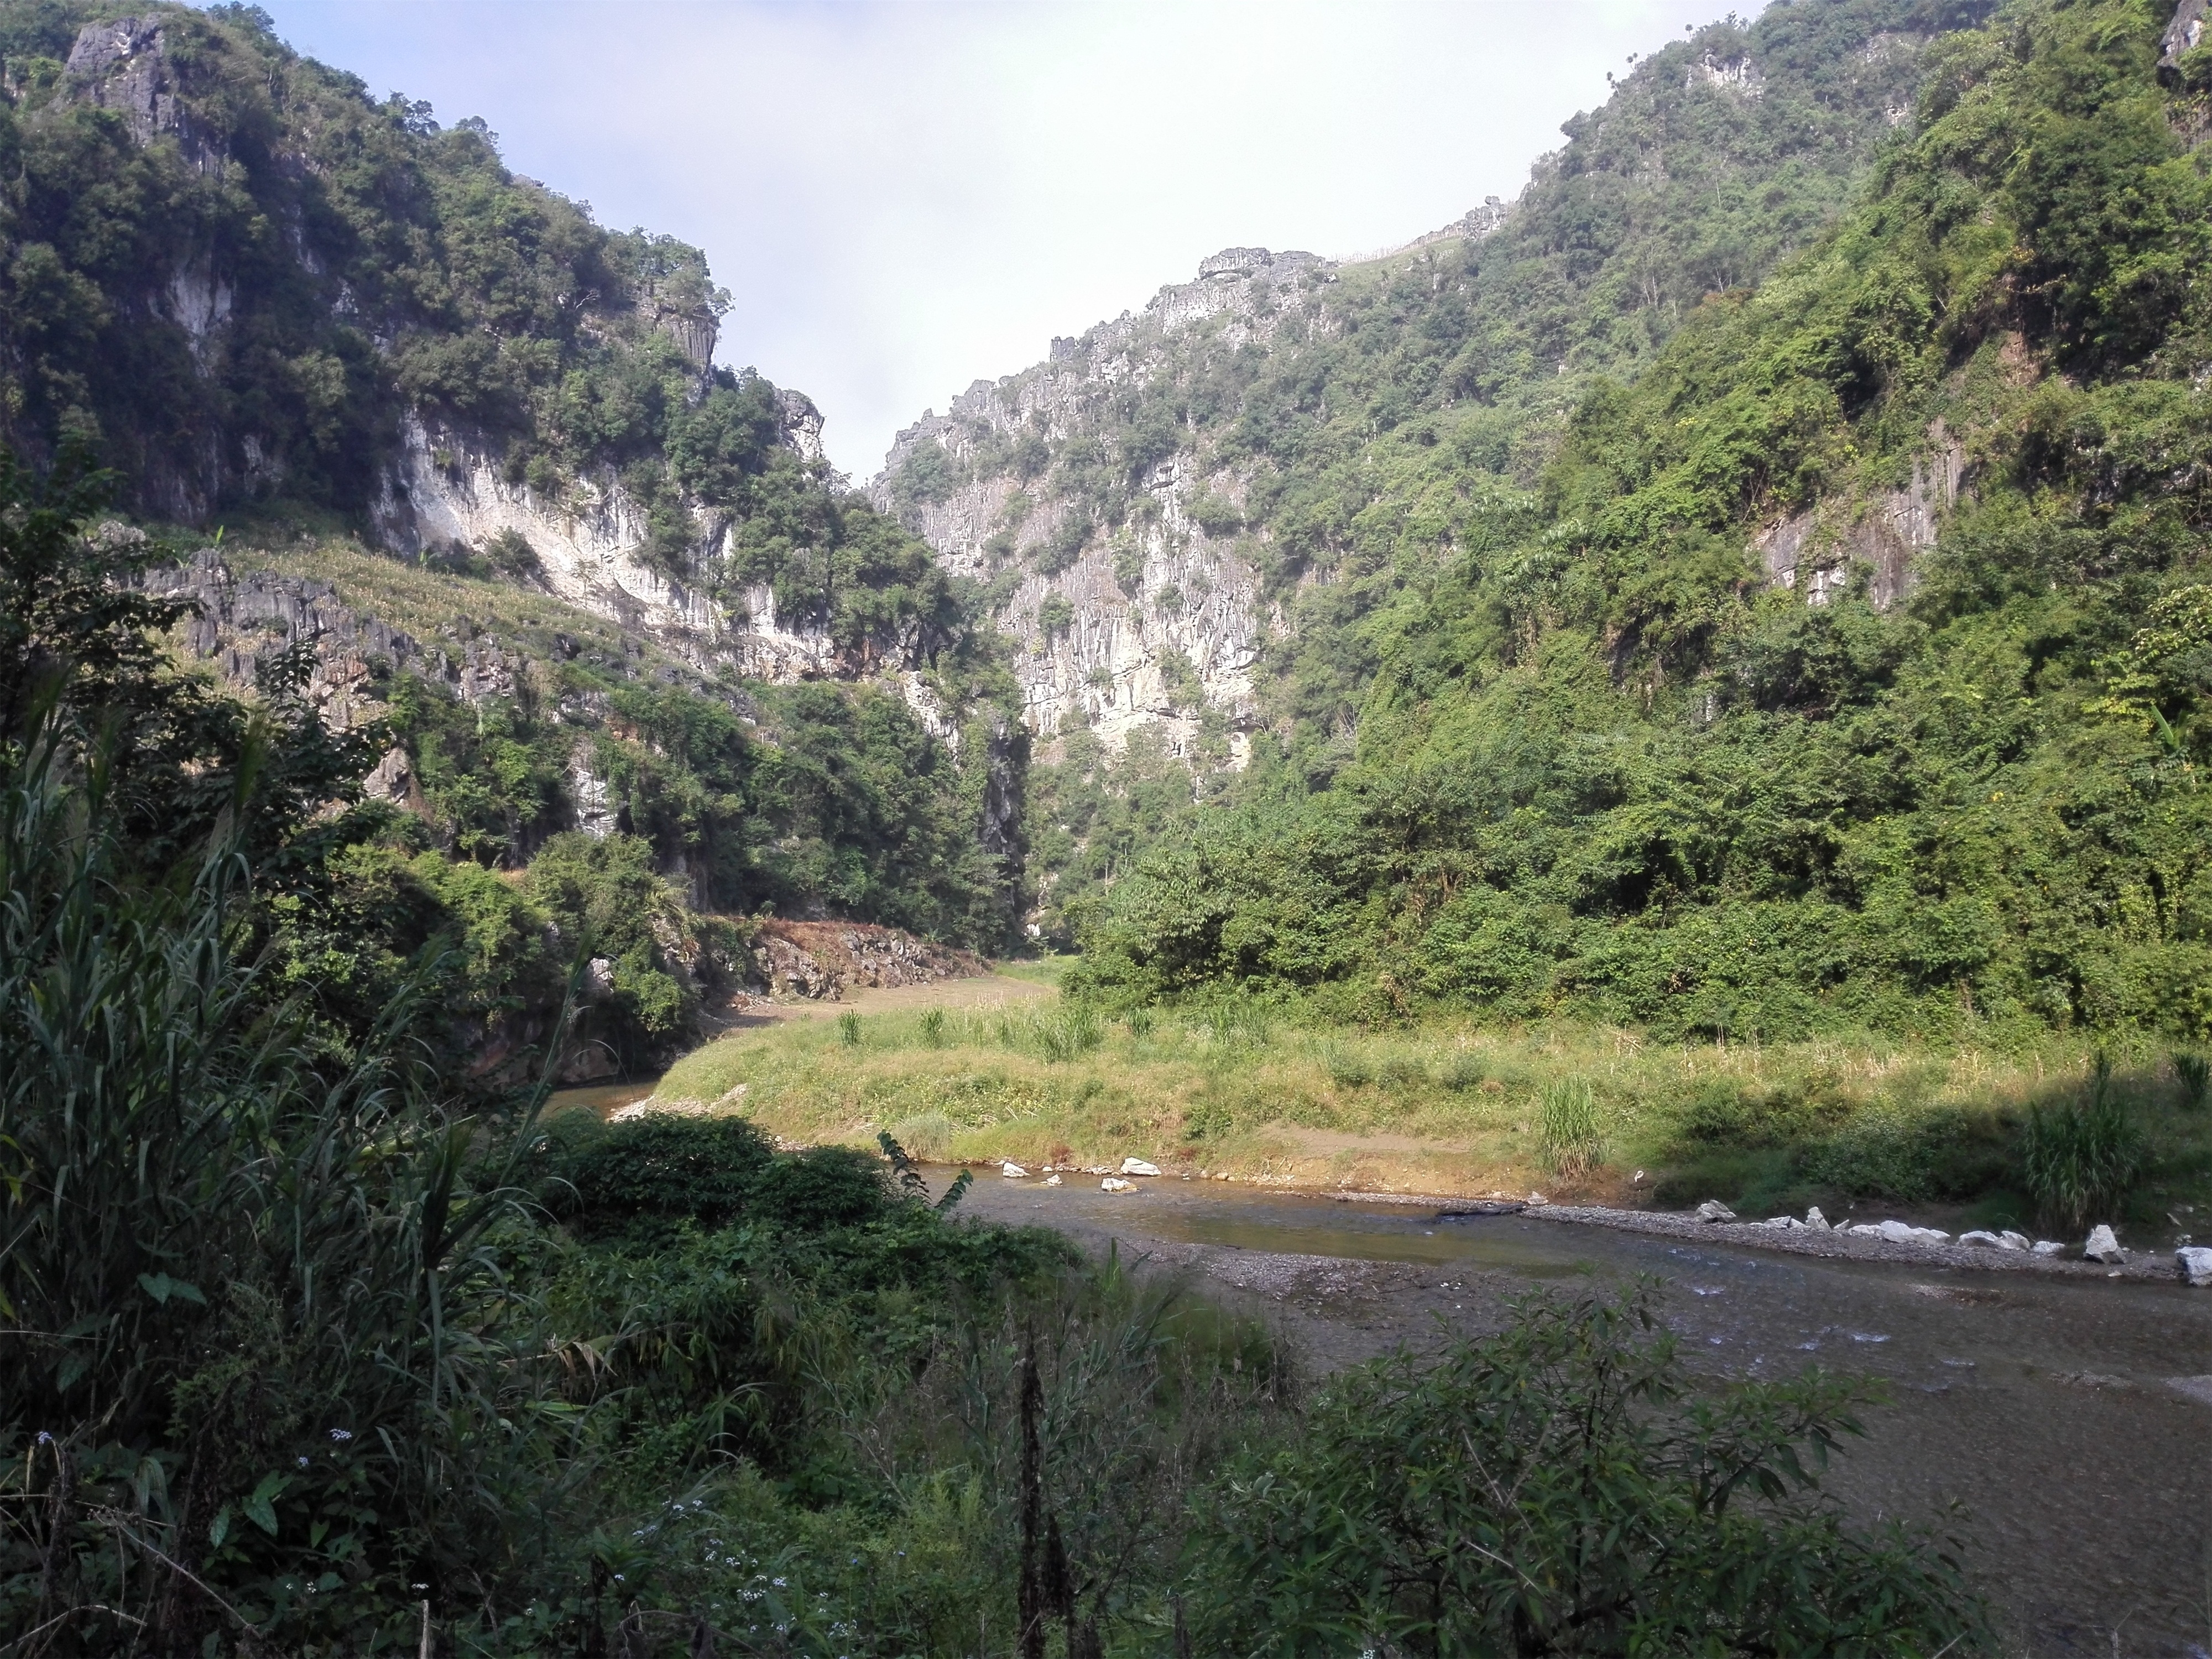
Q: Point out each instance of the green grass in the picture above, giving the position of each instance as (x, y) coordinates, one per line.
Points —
(1046, 969)
(1569, 1110)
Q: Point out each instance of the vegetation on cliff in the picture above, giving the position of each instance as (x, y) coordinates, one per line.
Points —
(1605, 765)
(261, 296)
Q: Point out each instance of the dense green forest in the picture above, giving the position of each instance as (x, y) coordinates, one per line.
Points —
(1605, 765)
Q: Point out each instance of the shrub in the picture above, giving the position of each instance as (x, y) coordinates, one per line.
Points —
(933, 1027)
(1544, 1491)
(1463, 1071)
(704, 1169)
(2080, 1161)
(1349, 1069)
(1067, 1034)
(848, 1029)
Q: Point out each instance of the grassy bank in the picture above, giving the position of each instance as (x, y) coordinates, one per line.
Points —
(1567, 1110)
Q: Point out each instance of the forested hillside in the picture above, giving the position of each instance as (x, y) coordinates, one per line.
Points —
(1846, 666)
(1192, 517)
(591, 605)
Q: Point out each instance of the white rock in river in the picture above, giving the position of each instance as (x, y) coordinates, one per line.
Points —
(1816, 1221)
(1781, 1223)
(1713, 1210)
(1052, 1180)
(2046, 1247)
(1903, 1232)
(1115, 1184)
(2196, 1263)
(1138, 1166)
(1013, 1171)
(1981, 1240)
(2012, 1241)
(2103, 1247)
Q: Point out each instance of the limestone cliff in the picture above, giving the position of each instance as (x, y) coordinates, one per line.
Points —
(1161, 623)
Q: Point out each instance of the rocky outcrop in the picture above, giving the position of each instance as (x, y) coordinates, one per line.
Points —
(124, 66)
(244, 621)
(2192, 21)
(587, 547)
(1819, 550)
(823, 960)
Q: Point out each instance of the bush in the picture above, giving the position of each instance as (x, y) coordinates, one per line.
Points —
(705, 1169)
(2080, 1161)
(1547, 1490)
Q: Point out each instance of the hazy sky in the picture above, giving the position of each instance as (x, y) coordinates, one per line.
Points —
(904, 198)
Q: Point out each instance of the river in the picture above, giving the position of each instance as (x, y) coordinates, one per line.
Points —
(2068, 1419)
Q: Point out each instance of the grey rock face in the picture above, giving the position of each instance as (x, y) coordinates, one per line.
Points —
(1166, 620)
(2186, 31)
(1819, 550)
(2104, 1247)
(2195, 1261)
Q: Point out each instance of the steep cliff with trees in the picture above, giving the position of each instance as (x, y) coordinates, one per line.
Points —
(1191, 517)
(1846, 665)
(422, 445)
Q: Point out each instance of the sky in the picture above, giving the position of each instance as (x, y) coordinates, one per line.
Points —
(904, 198)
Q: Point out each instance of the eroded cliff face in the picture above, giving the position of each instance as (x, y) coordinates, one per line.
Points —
(1160, 622)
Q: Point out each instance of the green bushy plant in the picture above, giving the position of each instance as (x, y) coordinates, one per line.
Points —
(1556, 1488)
(1570, 1133)
(2081, 1159)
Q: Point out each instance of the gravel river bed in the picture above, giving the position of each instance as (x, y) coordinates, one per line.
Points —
(2059, 1425)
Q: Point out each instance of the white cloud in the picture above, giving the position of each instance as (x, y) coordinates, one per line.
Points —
(902, 197)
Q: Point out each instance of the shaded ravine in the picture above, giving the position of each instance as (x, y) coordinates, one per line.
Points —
(2046, 1407)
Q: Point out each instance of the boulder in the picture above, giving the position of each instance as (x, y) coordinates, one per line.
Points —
(1781, 1223)
(2046, 1247)
(1115, 1184)
(1052, 1180)
(2195, 1261)
(2103, 1247)
(2012, 1241)
(1137, 1166)
(1984, 1241)
(1013, 1171)
(1816, 1221)
(1903, 1232)
(1713, 1210)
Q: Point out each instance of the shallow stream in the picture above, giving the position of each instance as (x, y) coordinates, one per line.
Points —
(2070, 1418)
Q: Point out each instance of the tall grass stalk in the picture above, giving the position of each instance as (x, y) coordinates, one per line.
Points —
(1570, 1139)
(2080, 1161)
(2194, 1074)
